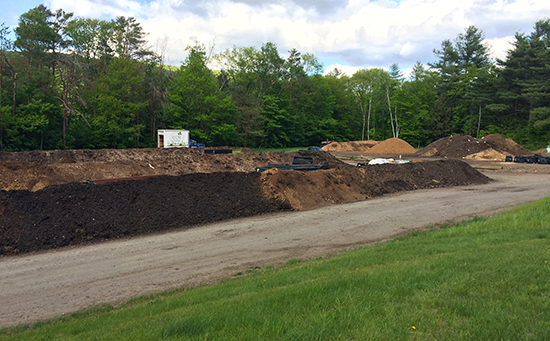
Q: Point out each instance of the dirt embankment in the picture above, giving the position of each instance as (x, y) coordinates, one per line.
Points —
(348, 183)
(75, 213)
(39, 169)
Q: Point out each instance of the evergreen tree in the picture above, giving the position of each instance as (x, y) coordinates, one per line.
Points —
(526, 85)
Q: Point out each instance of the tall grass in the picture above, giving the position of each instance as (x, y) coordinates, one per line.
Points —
(487, 279)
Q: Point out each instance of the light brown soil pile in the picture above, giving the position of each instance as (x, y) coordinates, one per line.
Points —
(392, 146)
(458, 147)
(541, 152)
(488, 154)
(306, 190)
(352, 146)
(39, 169)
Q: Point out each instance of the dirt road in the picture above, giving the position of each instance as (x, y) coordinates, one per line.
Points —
(47, 285)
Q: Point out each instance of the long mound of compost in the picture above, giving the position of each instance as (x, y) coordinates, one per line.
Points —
(76, 213)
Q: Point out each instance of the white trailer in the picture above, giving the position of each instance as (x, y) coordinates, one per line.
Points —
(172, 138)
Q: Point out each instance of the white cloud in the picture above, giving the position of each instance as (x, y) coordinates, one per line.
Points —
(346, 70)
(500, 46)
(358, 32)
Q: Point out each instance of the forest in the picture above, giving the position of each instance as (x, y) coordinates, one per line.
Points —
(73, 83)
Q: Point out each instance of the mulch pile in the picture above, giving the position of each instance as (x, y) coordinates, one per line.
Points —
(492, 147)
(77, 213)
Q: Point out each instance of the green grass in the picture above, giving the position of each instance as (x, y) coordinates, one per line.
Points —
(284, 150)
(486, 279)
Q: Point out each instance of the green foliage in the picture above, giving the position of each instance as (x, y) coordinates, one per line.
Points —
(277, 123)
(415, 100)
(120, 104)
(110, 91)
(198, 104)
(28, 129)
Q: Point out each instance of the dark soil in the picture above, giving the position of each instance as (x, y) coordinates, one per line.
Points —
(76, 213)
(458, 147)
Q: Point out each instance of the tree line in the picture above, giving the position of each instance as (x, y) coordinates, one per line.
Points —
(69, 82)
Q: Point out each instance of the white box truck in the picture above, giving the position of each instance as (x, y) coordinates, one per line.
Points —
(172, 138)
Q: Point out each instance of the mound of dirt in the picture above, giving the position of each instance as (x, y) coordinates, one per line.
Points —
(488, 154)
(352, 146)
(508, 145)
(458, 147)
(76, 213)
(542, 152)
(392, 146)
(39, 169)
(348, 183)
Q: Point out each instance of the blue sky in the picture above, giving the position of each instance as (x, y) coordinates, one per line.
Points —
(11, 10)
(348, 34)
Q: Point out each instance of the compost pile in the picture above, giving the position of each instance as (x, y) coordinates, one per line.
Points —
(38, 169)
(492, 147)
(76, 213)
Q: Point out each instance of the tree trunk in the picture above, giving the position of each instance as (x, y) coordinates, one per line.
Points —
(64, 127)
(136, 132)
(396, 123)
(28, 82)
(14, 82)
(368, 119)
(1, 53)
(478, 122)
(14, 103)
(389, 108)
(363, 112)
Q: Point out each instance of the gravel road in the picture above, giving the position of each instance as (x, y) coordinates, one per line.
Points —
(45, 285)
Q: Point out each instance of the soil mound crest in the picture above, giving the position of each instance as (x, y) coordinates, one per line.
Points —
(392, 146)
(508, 145)
(352, 146)
(458, 147)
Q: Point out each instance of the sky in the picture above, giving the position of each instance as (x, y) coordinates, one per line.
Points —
(347, 34)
